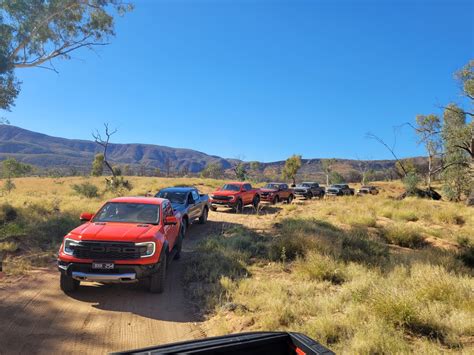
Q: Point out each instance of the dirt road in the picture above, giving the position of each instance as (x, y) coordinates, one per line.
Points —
(36, 317)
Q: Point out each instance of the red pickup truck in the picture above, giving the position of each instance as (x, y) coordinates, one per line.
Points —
(235, 195)
(275, 192)
(128, 239)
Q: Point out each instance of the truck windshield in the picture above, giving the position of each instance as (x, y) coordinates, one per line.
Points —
(304, 184)
(128, 213)
(230, 187)
(173, 196)
(272, 186)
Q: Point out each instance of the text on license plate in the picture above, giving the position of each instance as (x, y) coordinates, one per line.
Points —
(106, 266)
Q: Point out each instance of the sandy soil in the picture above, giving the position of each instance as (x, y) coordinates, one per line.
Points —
(37, 317)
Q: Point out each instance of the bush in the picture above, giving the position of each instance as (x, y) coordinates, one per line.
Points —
(467, 255)
(7, 213)
(404, 236)
(118, 184)
(411, 182)
(86, 189)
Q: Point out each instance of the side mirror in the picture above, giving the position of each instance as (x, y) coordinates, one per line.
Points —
(171, 220)
(86, 217)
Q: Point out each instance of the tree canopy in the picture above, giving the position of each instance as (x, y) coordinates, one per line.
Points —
(292, 165)
(34, 32)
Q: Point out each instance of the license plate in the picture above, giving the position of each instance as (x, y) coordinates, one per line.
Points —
(103, 266)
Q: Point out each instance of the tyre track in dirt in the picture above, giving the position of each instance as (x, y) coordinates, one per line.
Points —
(38, 318)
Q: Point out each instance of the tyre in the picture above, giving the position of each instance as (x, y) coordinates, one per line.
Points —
(256, 201)
(185, 226)
(67, 283)
(340, 193)
(179, 247)
(203, 218)
(276, 199)
(309, 196)
(290, 199)
(239, 207)
(157, 280)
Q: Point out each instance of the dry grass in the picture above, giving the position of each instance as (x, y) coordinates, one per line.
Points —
(334, 278)
(332, 269)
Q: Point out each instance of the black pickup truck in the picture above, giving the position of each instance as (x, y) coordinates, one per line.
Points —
(189, 202)
(309, 190)
(339, 190)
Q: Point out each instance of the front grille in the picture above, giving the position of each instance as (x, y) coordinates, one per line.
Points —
(221, 198)
(300, 191)
(108, 251)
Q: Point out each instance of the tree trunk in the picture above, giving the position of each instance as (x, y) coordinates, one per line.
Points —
(430, 163)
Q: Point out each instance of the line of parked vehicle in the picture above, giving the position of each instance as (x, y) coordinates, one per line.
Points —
(134, 238)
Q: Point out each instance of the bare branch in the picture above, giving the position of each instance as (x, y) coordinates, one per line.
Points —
(453, 110)
(391, 150)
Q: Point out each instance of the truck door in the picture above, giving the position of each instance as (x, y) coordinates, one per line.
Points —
(248, 194)
(195, 208)
(171, 231)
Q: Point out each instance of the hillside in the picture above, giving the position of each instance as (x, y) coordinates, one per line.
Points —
(50, 152)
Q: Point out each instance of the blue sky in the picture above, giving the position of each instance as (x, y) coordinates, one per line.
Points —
(260, 79)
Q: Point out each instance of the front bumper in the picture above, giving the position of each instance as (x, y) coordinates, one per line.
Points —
(121, 273)
(267, 198)
(304, 194)
(221, 203)
(109, 278)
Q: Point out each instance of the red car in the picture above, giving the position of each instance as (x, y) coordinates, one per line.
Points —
(275, 192)
(235, 195)
(128, 239)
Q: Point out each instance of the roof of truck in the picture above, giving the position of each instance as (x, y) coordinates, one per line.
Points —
(144, 200)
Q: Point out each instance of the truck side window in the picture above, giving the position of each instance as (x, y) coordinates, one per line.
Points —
(247, 187)
(195, 195)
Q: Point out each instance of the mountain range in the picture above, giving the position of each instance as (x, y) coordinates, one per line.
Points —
(49, 152)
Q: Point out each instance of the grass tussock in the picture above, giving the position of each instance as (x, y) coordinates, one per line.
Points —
(343, 287)
(404, 236)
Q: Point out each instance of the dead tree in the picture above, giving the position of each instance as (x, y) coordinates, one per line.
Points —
(390, 149)
(104, 143)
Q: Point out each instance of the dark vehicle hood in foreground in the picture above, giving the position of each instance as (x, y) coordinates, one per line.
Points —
(244, 343)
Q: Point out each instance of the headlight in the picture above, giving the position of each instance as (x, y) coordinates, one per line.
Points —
(69, 245)
(150, 248)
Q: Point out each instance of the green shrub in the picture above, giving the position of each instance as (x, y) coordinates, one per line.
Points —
(411, 182)
(86, 189)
